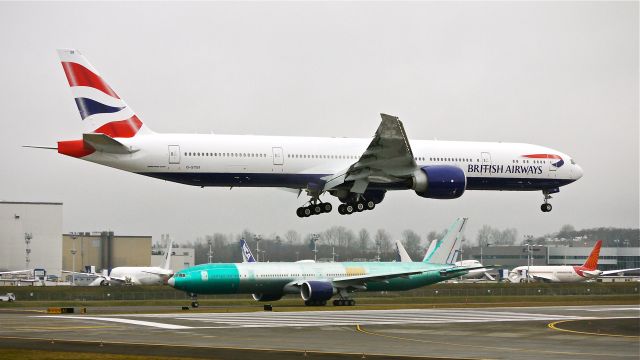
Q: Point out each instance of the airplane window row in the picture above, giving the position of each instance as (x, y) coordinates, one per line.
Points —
(451, 159)
(306, 156)
(225, 154)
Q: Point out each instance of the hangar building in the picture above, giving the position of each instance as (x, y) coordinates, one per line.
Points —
(104, 250)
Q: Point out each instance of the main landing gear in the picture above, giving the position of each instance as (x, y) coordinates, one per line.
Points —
(350, 207)
(315, 302)
(194, 300)
(315, 208)
(344, 302)
(546, 207)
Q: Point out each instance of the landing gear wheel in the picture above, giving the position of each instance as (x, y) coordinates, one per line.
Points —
(341, 210)
(194, 304)
(306, 211)
(546, 207)
(317, 209)
(327, 207)
(351, 302)
(300, 212)
(369, 205)
(359, 206)
(348, 209)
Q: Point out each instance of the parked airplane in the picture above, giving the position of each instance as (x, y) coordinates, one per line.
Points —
(32, 276)
(247, 256)
(478, 272)
(134, 275)
(315, 282)
(565, 273)
(358, 172)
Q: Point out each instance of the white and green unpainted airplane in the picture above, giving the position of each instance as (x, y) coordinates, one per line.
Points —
(319, 282)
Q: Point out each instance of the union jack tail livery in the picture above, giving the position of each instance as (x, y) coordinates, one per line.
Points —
(592, 260)
(101, 109)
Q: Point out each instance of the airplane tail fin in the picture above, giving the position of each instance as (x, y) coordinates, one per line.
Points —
(446, 249)
(401, 253)
(101, 109)
(247, 256)
(167, 255)
(592, 260)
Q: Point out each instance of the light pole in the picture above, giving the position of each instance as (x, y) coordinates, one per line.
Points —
(257, 238)
(487, 245)
(314, 238)
(210, 252)
(73, 257)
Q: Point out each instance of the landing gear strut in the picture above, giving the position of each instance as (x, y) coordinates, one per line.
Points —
(194, 300)
(546, 207)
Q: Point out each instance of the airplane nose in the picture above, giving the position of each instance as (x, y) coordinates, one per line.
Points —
(577, 172)
(171, 282)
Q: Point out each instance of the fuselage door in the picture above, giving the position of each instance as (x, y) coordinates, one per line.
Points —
(485, 166)
(174, 154)
(278, 158)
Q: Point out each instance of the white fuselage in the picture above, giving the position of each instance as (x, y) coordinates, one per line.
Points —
(137, 275)
(296, 162)
(551, 273)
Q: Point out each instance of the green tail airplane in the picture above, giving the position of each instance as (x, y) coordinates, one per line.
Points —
(319, 282)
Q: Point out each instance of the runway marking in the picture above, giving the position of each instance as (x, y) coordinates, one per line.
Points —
(554, 327)
(493, 348)
(66, 327)
(124, 321)
(326, 318)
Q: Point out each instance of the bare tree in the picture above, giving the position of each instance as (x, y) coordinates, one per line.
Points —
(411, 241)
(363, 239)
(292, 237)
(383, 239)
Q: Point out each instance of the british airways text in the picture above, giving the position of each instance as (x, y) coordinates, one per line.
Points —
(501, 169)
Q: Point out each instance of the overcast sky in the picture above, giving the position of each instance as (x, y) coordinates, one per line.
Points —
(563, 75)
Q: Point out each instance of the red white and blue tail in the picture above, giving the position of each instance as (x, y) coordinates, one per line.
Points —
(101, 109)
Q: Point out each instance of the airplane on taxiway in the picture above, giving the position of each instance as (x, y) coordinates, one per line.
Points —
(565, 273)
(133, 275)
(358, 171)
(317, 282)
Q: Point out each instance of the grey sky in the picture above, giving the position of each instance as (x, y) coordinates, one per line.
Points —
(563, 75)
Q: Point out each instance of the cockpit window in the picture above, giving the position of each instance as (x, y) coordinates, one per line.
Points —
(573, 162)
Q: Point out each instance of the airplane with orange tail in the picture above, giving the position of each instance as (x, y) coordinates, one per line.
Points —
(565, 273)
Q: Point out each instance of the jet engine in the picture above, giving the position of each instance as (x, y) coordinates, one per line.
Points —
(439, 182)
(317, 291)
(267, 297)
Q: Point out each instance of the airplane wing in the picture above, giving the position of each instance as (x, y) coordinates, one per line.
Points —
(158, 273)
(387, 159)
(15, 272)
(363, 279)
(489, 277)
(609, 272)
(544, 277)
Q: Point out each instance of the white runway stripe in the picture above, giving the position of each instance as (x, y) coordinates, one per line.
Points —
(327, 318)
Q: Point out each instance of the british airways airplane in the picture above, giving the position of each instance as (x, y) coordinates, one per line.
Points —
(358, 172)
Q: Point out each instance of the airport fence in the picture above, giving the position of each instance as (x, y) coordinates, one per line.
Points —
(463, 290)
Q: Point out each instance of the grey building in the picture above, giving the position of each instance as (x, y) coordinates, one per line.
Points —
(31, 236)
(517, 255)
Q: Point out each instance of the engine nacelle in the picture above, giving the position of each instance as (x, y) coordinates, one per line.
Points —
(317, 290)
(267, 297)
(439, 182)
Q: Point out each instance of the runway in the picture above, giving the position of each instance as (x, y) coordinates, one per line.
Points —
(496, 333)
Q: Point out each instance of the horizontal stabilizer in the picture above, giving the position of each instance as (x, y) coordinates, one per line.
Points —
(102, 142)
(40, 147)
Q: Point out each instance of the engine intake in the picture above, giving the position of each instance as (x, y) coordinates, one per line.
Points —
(439, 182)
(317, 290)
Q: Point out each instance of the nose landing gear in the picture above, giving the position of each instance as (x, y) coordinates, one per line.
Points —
(546, 207)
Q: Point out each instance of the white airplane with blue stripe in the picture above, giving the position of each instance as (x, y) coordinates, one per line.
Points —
(357, 171)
